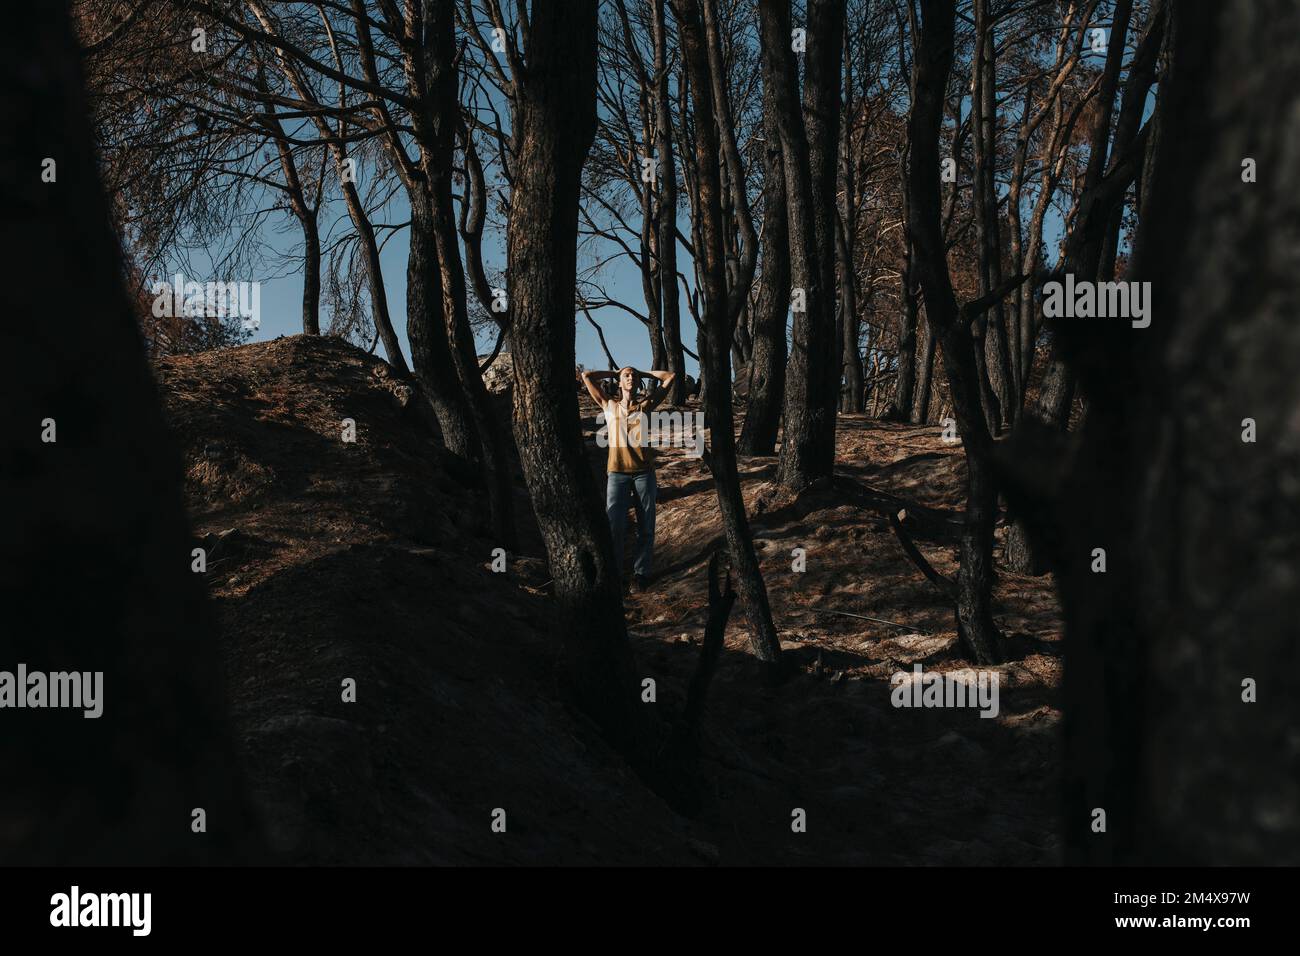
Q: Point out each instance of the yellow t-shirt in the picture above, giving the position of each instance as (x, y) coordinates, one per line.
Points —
(628, 433)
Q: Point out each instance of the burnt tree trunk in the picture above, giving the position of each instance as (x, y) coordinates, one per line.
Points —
(352, 198)
(852, 397)
(473, 217)
(715, 357)
(924, 376)
(767, 370)
(365, 229)
(1084, 254)
(310, 275)
(903, 407)
(1199, 527)
(658, 345)
(995, 355)
(441, 93)
(951, 328)
(810, 141)
(426, 328)
(449, 409)
(302, 210)
(305, 213)
(666, 246)
(740, 238)
(95, 557)
(556, 125)
(427, 333)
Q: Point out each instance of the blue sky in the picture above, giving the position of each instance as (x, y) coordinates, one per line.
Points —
(627, 339)
(281, 288)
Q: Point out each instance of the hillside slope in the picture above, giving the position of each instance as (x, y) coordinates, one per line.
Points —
(370, 561)
(331, 560)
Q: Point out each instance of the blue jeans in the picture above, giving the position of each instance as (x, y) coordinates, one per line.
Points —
(641, 489)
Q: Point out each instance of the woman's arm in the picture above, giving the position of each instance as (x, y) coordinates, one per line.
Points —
(589, 379)
(665, 379)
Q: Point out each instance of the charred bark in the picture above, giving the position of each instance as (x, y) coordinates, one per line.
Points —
(767, 370)
(441, 92)
(950, 326)
(310, 276)
(556, 125)
(908, 384)
(715, 357)
(810, 141)
(1198, 525)
(427, 333)
(666, 246)
(851, 357)
(924, 376)
(991, 340)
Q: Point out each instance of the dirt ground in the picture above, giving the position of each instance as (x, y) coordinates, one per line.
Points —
(331, 560)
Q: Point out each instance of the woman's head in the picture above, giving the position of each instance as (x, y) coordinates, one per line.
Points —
(628, 378)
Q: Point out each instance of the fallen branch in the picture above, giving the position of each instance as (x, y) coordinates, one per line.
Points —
(946, 587)
(931, 522)
(863, 617)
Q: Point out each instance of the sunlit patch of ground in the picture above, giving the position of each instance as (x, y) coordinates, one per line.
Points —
(890, 785)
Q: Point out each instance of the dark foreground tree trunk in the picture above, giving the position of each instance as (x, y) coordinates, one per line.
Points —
(1199, 527)
(95, 556)
(556, 126)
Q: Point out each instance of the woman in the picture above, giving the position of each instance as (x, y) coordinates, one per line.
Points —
(631, 463)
